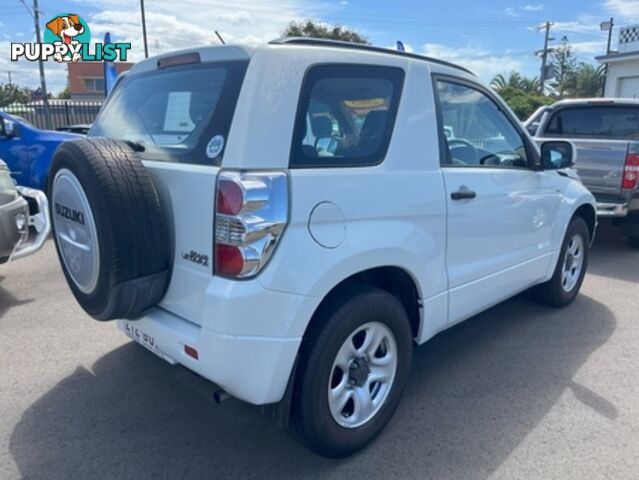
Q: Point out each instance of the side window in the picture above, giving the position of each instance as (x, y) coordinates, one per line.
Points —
(477, 133)
(346, 115)
(606, 122)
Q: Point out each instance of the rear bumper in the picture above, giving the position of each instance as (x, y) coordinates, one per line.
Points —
(612, 210)
(252, 368)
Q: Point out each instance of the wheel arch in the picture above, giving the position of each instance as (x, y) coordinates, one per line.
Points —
(588, 213)
(393, 279)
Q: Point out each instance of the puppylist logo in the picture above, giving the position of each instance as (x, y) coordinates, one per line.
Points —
(67, 38)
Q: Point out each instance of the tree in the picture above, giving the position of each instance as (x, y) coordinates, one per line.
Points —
(10, 93)
(516, 81)
(523, 103)
(563, 64)
(589, 80)
(64, 94)
(312, 29)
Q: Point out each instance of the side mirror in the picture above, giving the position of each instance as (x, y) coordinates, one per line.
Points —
(7, 128)
(556, 155)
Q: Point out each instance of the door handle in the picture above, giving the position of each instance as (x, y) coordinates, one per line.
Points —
(463, 195)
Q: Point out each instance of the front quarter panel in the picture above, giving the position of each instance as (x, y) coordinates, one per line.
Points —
(575, 195)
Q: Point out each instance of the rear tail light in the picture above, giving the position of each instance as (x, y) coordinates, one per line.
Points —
(251, 214)
(631, 169)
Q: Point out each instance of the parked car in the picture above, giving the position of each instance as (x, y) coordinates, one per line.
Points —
(214, 223)
(82, 128)
(606, 134)
(16, 218)
(28, 150)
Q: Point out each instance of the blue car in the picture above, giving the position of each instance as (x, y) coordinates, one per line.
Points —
(27, 150)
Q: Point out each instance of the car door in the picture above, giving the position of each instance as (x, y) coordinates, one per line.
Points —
(500, 210)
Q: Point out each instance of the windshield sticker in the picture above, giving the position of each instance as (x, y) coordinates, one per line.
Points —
(215, 146)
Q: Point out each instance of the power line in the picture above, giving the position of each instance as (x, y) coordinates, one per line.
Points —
(146, 45)
(43, 81)
(544, 56)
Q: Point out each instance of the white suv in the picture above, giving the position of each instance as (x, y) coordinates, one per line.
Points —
(287, 221)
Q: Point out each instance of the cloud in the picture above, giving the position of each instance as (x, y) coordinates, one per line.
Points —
(626, 10)
(512, 12)
(245, 21)
(482, 62)
(582, 25)
(590, 48)
(517, 11)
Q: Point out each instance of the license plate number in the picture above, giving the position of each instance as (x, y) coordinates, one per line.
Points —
(145, 339)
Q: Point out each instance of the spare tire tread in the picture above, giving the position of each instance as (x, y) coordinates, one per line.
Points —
(132, 232)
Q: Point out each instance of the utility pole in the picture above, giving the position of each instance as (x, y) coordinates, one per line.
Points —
(544, 55)
(607, 26)
(9, 72)
(146, 45)
(43, 81)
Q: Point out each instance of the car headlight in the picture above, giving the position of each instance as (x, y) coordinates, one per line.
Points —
(21, 222)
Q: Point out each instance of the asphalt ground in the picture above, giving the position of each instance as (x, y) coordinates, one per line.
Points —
(521, 391)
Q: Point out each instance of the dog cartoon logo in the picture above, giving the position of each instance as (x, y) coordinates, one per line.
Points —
(67, 38)
(69, 30)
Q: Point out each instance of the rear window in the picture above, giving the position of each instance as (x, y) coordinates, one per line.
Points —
(346, 115)
(179, 114)
(606, 122)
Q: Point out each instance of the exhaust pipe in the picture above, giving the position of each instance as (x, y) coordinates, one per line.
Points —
(220, 395)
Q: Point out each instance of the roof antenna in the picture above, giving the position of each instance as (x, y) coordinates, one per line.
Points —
(220, 37)
(400, 46)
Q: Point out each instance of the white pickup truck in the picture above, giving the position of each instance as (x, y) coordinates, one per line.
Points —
(288, 221)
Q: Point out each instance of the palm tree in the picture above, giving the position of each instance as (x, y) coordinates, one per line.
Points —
(501, 81)
(589, 80)
(531, 85)
(515, 81)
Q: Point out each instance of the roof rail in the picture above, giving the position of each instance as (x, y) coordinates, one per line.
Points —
(323, 42)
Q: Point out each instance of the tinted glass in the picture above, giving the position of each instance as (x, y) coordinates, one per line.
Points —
(178, 109)
(346, 115)
(609, 122)
(477, 132)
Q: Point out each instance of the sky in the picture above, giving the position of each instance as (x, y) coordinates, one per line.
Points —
(487, 37)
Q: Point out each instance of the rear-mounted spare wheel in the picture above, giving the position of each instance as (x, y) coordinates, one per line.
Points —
(109, 228)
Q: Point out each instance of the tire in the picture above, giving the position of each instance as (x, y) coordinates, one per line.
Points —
(109, 228)
(312, 422)
(555, 292)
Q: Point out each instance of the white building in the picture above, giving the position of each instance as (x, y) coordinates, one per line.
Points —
(623, 65)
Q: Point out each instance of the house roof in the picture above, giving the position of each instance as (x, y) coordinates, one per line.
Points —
(618, 57)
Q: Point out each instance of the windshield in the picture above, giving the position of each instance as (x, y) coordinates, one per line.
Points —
(177, 110)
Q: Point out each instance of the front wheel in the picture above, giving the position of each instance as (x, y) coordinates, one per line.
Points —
(352, 370)
(571, 268)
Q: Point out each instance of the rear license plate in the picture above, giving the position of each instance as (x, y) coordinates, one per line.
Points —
(146, 340)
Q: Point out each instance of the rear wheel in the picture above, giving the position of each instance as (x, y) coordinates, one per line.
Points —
(571, 268)
(352, 370)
